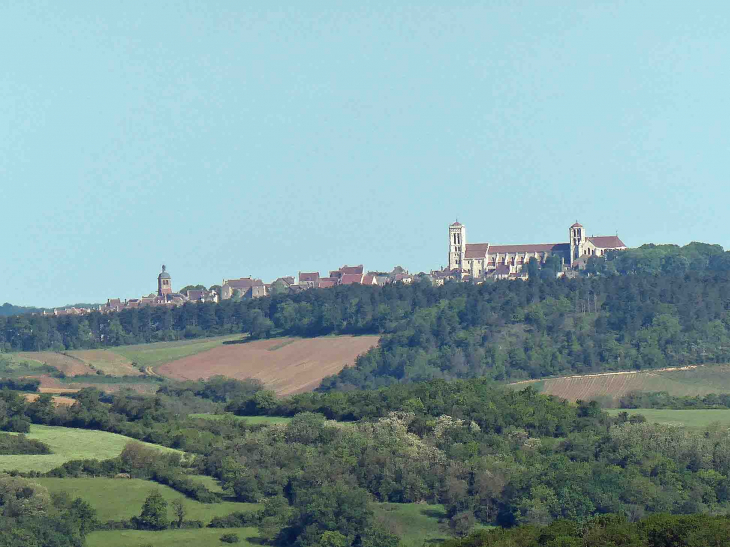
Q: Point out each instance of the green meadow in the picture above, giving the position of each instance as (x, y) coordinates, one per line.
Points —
(416, 524)
(203, 537)
(116, 499)
(254, 420)
(68, 444)
(689, 418)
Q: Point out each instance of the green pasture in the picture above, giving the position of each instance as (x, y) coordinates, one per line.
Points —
(159, 353)
(254, 420)
(68, 444)
(203, 537)
(116, 499)
(15, 366)
(415, 523)
(689, 418)
(209, 482)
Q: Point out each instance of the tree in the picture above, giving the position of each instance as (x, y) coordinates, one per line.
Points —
(533, 268)
(178, 508)
(154, 513)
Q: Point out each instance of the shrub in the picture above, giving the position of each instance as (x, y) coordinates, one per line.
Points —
(230, 538)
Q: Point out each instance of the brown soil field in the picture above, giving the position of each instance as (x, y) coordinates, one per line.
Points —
(70, 366)
(286, 365)
(691, 380)
(68, 401)
(107, 361)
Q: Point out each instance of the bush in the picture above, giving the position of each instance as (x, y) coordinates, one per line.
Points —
(230, 538)
(236, 520)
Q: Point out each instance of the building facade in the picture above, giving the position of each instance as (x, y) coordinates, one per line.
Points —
(478, 260)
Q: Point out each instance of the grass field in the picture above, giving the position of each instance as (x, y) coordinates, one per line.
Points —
(116, 499)
(68, 444)
(15, 366)
(689, 418)
(70, 366)
(158, 353)
(414, 523)
(286, 365)
(106, 361)
(204, 537)
(692, 381)
(209, 482)
(268, 420)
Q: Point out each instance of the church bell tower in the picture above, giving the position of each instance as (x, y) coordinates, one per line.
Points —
(457, 245)
(577, 241)
(164, 283)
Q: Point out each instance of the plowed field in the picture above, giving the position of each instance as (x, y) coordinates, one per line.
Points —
(691, 381)
(286, 365)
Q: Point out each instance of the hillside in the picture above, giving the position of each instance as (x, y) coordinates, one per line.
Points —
(610, 387)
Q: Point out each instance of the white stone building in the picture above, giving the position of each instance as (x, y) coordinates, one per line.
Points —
(478, 260)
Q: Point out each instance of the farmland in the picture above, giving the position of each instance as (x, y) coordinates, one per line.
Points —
(202, 537)
(152, 355)
(689, 418)
(108, 362)
(67, 444)
(116, 499)
(695, 380)
(285, 365)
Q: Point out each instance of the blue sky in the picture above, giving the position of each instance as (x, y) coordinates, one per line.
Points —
(236, 138)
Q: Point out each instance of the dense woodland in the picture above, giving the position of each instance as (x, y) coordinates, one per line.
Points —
(490, 455)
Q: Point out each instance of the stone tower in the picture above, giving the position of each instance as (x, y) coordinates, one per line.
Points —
(457, 245)
(577, 241)
(164, 283)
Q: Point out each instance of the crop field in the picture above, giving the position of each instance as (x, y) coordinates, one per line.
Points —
(692, 381)
(267, 420)
(286, 365)
(57, 399)
(68, 444)
(415, 523)
(107, 362)
(70, 366)
(689, 418)
(116, 499)
(203, 537)
(158, 353)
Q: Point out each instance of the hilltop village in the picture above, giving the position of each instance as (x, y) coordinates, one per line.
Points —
(467, 262)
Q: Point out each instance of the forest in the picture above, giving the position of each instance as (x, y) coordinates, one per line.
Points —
(489, 455)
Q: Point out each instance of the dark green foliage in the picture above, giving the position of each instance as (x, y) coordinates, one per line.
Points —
(20, 384)
(154, 513)
(662, 399)
(236, 520)
(610, 531)
(230, 538)
(20, 444)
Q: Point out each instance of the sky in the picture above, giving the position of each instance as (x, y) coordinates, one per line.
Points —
(235, 138)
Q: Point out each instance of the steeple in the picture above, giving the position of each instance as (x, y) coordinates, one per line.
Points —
(164, 282)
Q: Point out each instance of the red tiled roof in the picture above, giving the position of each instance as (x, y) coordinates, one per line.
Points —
(577, 225)
(533, 248)
(606, 242)
(368, 280)
(476, 250)
(457, 223)
(352, 269)
(308, 276)
(326, 283)
(244, 283)
(349, 279)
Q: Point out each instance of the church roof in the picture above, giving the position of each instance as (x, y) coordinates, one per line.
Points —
(533, 248)
(476, 250)
(606, 242)
(457, 223)
(577, 225)
(164, 274)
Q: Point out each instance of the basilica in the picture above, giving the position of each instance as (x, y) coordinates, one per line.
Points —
(478, 260)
